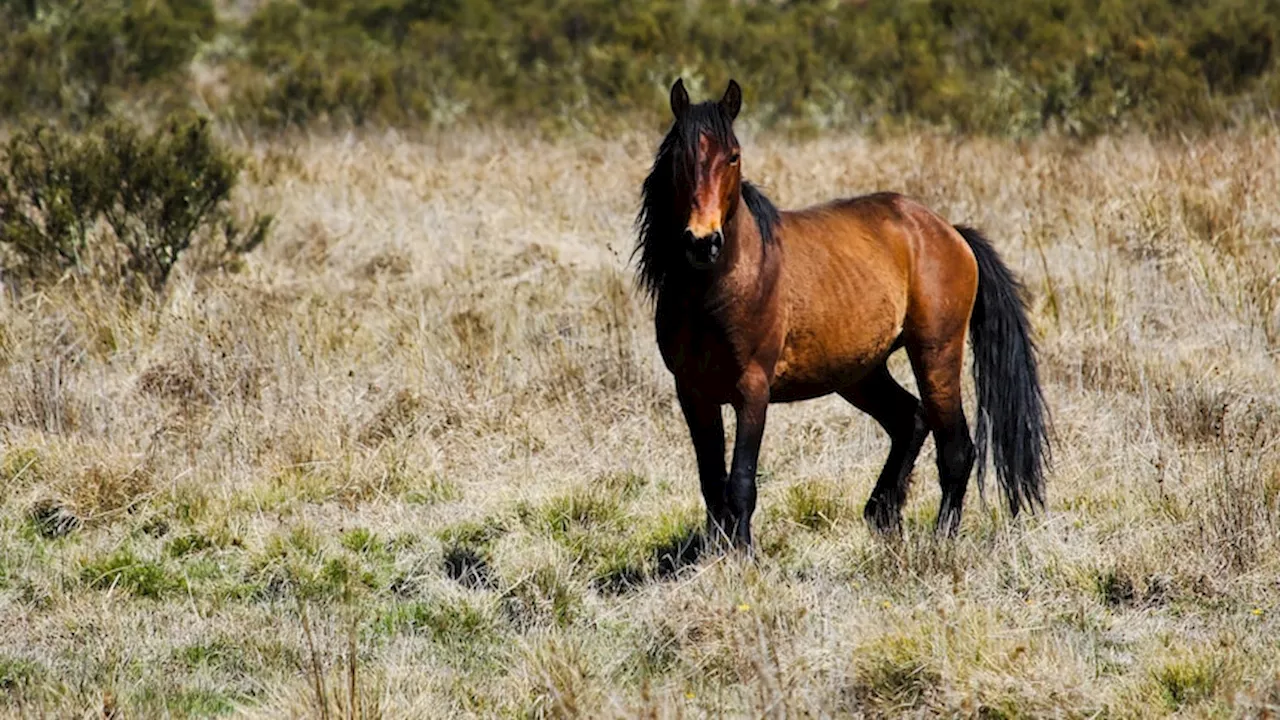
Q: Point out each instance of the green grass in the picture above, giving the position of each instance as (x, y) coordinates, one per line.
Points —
(1188, 681)
(126, 571)
(450, 622)
(19, 675)
(818, 506)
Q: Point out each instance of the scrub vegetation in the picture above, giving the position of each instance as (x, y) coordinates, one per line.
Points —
(1077, 67)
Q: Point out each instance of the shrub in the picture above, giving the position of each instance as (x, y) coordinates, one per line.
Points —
(122, 202)
(1078, 66)
(75, 58)
(171, 190)
(50, 198)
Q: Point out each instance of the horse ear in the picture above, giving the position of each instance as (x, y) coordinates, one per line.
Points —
(679, 98)
(732, 100)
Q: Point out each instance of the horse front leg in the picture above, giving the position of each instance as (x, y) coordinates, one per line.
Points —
(751, 407)
(706, 429)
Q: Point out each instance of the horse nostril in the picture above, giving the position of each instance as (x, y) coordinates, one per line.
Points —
(717, 239)
(689, 237)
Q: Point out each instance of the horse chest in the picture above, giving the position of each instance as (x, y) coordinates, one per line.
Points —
(702, 355)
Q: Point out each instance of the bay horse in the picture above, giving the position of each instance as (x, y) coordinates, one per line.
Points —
(756, 306)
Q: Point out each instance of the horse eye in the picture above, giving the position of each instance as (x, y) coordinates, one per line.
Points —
(733, 159)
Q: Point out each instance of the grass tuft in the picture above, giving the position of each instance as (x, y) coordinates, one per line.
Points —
(1187, 681)
(817, 506)
(124, 570)
(896, 672)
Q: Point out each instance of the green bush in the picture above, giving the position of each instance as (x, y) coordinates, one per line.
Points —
(75, 58)
(119, 202)
(51, 195)
(171, 190)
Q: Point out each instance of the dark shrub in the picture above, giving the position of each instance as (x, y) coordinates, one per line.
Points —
(120, 202)
(51, 195)
(172, 189)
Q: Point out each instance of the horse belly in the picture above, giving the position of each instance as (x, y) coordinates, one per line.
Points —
(817, 361)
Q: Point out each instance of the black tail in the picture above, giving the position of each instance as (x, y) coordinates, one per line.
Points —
(1012, 418)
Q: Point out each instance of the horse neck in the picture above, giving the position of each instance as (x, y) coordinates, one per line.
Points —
(744, 249)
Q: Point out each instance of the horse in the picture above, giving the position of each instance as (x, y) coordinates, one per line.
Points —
(754, 306)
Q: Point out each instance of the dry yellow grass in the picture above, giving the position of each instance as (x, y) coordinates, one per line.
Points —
(430, 418)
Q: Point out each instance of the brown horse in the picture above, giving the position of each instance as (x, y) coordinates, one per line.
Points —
(755, 306)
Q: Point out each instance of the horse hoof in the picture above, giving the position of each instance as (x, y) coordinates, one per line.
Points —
(947, 529)
(745, 553)
(880, 520)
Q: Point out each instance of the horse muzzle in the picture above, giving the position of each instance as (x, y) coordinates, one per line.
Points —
(703, 252)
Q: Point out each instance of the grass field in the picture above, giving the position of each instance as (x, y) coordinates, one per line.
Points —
(420, 456)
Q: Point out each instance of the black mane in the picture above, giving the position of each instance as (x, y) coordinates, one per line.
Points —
(658, 225)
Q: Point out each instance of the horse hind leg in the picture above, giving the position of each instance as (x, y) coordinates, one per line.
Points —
(899, 413)
(937, 368)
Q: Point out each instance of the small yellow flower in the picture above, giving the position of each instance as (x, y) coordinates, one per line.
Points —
(689, 695)
(744, 607)
(886, 604)
(1257, 611)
